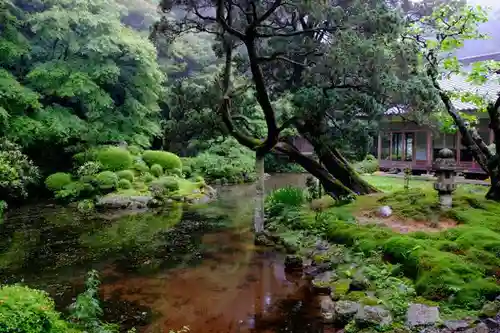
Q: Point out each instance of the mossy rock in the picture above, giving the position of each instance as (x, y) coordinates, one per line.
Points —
(115, 158)
(490, 309)
(370, 300)
(355, 296)
(340, 288)
(57, 181)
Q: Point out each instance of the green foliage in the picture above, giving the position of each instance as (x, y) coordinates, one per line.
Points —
(89, 169)
(165, 159)
(455, 267)
(86, 310)
(167, 182)
(30, 311)
(283, 199)
(3, 208)
(115, 159)
(107, 180)
(227, 161)
(58, 181)
(368, 165)
(124, 184)
(73, 75)
(126, 174)
(17, 172)
(277, 164)
(156, 170)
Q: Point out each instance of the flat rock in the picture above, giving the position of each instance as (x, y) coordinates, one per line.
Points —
(456, 325)
(422, 315)
(480, 328)
(123, 202)
(492, 323)
(373, 316)
(345, 311)
(490, 309)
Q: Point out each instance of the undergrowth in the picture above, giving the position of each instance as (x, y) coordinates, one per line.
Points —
(458, 268)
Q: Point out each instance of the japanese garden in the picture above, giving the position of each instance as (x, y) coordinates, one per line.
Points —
(249, 166)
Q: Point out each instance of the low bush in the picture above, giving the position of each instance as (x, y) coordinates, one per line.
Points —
(57, 181)
(165, 159)
(29, 311)
(368, 165)
(126, 174)
(167, 182)
(107, 180)
(115, 158)
(89, 169)
(124, 184)
(156, 170)
(284, 198)
(17, 172)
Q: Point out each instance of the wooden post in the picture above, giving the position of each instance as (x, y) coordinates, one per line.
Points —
(429, 148)
(492, 137)
(403, 146)
(457, 147)
(390, 146)
(379, 147)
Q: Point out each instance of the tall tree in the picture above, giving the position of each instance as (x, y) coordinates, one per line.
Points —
(449, 29)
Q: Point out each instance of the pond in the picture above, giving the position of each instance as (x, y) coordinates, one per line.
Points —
(160, 274)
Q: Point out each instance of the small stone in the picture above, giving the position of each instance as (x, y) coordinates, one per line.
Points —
(373, 316)
(327, 309)
(385, 211)
(456, 325)
(492, 324)
(345, 311)
(293, 263)
(422, 315)
(322, 283)
(490, 309)
(480, 328)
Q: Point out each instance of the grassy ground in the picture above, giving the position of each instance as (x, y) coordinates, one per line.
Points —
(458, 267)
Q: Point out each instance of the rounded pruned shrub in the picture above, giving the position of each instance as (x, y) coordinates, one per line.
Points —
(156, 170)
(169, 183)
(126, 174)
(124, 184)
(115, 158)
(140, 166)
(57, 181)
(368, 165)
(28, 310)
(167, 160)
(107, 180)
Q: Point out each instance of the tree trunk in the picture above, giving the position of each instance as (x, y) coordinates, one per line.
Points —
(332, 186)
(258, 216)
(334, 162)
(494, 190)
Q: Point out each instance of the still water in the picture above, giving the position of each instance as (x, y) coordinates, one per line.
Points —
(223, 283)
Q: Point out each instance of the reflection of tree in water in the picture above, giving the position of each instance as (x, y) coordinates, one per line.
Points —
(295, 311)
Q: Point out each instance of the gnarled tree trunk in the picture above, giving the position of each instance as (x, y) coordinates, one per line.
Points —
(258, 216)
(332, 186)
(333, 160)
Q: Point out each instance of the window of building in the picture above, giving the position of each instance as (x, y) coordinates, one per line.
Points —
(409, 146)
(397, 146)
(386, 146)
(421, 146)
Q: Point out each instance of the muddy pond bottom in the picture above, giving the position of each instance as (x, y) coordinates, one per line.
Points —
(238, 287)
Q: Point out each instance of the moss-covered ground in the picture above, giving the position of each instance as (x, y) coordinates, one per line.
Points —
(459, 267)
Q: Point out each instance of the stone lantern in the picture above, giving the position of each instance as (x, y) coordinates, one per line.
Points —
(445, 170)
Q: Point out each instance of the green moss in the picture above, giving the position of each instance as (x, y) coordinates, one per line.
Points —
(354, 296)
(126, 174)
(455, 268)
(115, 158)
(57, 181)
(340, 288)
(167, 160)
